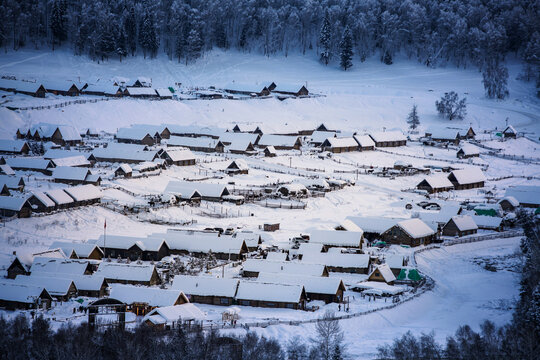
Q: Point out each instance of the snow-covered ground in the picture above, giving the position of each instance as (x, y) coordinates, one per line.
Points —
(371, 97)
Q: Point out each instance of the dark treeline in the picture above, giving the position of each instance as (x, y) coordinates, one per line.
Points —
(519, 340)
(433, 32)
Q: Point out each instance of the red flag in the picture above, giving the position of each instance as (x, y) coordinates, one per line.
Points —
(105, 225)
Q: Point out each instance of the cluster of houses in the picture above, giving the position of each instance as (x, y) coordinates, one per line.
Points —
(463, 179)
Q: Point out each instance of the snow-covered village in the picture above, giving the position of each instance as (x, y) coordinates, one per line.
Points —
(175, 183)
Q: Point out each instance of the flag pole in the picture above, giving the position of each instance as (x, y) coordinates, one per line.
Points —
(104, 237)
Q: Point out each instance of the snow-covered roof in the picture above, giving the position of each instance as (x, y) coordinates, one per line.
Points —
(84, 192)
(394, 261)
(180, 154)
(271, 149)
(294, 188)
(70, 173)
(469, 149)
(512, 200)
(153, 296)
(374, 224)
(133, 133)
(337, 238)
(278, 140)
(12, 202)
(62, 153)
(130, 272)
(126, 242)
(199, 142)
(43, 198)
(438, 181)
(319, 136)
(469, 176)
(164, 92)
(141, 91)
(124, 152)
(487, 222)
(364, 140)
(12, 145)
(464, 222)
(525, 194)
(195, 130)
(82, 282)
(10, 290)
(335, 259)
(443, 133)
(276, 256)
(125, 168)
(25, 86)
(388, 136)
(205, 286)
(76, 160)
(12, 182)
(6, 169)
(205, 189)
(171, 314)
(81, 249)
(239, 145)
(287, 267)
(239, 164)
(379, 288)
(244, 87)
(306, 248)
(69, 133)
(59, 196)
(385, 272)
(348, 225)
(415, 228)
(56, 286)
(28, 163)
(315, 182)
(231, 137)
(105, 88)
(312, 284)
(54, 265)
(339, 142)
(509, 130)
(198, 242)
(250, 290)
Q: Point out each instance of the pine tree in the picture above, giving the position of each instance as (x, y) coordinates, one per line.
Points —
(130, 27)
(325, 38)
(121, 47)
(495, 79)
(413, 119)
(57, 22)
(346, 52)
(194, 45)
(179, 47)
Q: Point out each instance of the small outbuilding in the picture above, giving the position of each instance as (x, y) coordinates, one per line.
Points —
(460, 225)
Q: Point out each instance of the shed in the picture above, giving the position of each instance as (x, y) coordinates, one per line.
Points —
(133, 248)
(488, 222)
(270, 151)
(237, 166)
(123, 170)
(467, 151)
(291, 90)
(277, 256)
(75, 161)
(318, 137)
(509, 203)
(509, 132)
(42, 264)
(168, 316)
(382, 273)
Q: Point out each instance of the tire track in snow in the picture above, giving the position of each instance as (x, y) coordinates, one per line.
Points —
(22, 61)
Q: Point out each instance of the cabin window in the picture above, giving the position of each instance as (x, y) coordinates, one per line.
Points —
(244, 302)
(224, 301)
(270, 304)
(289, 306)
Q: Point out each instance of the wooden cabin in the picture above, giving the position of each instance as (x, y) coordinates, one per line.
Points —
(134, 274)
(365, 142)
(237, 166)
(16, 267)
(123, 170)
(24, 297)
(339, 145)
(412, 232)
(14, 147)
(178, 157)
(339, 262)
(435, 184)
(268, 295)
(270, 151)
(389, 139)
(509, 204)
(468, 151)
(509, 132)
(11, 206)
(137, 135)
(382, 273)
(460, 225)
(465, 179)
(207, 290)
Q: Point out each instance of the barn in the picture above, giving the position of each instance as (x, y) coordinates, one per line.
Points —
(291, 90)
(469, 178)
(61, 289)
(412, 232)
(460, 225)
(207, 290)
(64, 88)
(444, 135)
